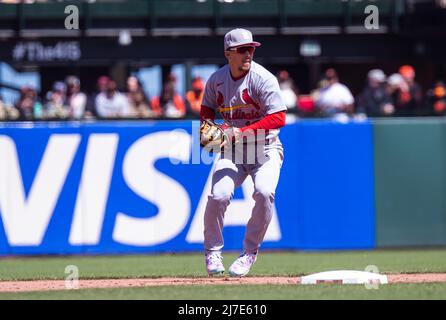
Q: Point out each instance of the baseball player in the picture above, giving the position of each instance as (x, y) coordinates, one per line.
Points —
(248, 98)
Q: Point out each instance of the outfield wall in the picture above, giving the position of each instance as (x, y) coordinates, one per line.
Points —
(410, 182)
(117, 187)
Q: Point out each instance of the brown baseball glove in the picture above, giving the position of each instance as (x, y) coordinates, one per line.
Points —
(212, 135)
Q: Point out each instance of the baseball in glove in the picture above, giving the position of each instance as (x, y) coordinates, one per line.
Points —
(212, 135)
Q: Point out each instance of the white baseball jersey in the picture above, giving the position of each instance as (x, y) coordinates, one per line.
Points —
(244, 101)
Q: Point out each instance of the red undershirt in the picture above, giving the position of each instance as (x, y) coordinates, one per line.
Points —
(269, 122)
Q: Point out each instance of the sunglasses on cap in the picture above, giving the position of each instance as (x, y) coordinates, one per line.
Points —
(242, 50)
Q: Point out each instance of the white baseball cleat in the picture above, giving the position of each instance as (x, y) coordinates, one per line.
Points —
(214, 263)
(243, 264)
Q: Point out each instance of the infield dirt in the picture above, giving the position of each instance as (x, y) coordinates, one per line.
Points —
(46, 285)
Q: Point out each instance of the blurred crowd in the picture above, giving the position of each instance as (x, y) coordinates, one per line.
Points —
(383, 96)
(66, 101)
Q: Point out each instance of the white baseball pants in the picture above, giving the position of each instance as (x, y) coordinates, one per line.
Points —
(226, 177)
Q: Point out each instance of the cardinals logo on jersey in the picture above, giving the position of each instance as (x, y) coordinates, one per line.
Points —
(248, 100)
(235, 112)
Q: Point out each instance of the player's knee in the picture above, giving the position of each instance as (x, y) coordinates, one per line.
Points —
(264, 194)
(221, 196)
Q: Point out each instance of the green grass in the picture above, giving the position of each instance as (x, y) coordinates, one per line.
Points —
(192, 265)
(247, 292)
(268, 263)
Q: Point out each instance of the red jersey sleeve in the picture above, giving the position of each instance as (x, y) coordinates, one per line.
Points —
(207, 113)
(271, 121)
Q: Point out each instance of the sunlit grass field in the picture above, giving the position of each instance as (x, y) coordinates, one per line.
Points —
(268, 264)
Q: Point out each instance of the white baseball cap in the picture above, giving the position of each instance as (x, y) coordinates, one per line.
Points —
(239, 37)
(377, 74)
(395, 79)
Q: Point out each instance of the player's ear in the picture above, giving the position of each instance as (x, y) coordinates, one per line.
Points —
(226, 54)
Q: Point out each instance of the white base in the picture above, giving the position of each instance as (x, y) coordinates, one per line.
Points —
(345, 277)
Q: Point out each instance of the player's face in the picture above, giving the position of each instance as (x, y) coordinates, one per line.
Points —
(241, 57)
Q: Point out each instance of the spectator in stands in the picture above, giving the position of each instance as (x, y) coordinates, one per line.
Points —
(101, 86)
(7, 111)
(28, 105)
(411, 102)
(112, 103)
(194, 97)
(374, 100)
(55, 106)
(398, 90)
(436, 99)
(321, 85)
(170, 104)
(139, 103)
(288, 89)
(76, 100)
(335, 99)
(3, 115)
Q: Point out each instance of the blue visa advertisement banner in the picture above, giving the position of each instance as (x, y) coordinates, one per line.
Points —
(140, 187)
